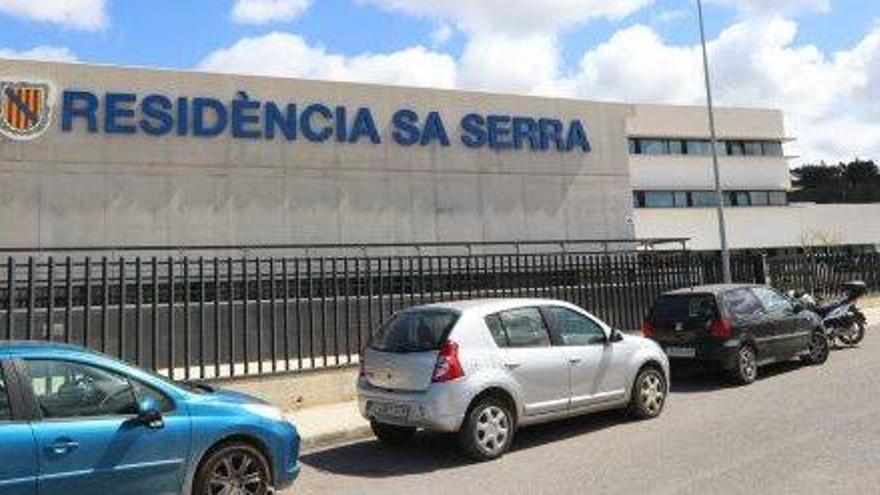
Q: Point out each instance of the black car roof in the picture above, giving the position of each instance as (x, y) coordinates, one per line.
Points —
(711, 289)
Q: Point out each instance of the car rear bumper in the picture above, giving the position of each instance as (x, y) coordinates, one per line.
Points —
(441, 408)
(716, 355)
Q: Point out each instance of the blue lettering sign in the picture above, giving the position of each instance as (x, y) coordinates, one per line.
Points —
(79, 104)
(157, 119)
(244, 117)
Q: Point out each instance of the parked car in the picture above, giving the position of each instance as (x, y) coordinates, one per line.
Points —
(485, 368)
(736, 328)
(76, 422)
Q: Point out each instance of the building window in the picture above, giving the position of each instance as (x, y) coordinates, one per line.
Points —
(659, 199)
(704, 199)
(699, 148)
(676, 147)
(778, 198)
(654, 146)
(736, 148)
(771, 148)
(759, 198)
(753, 148)
(707, 199)
(703, 147)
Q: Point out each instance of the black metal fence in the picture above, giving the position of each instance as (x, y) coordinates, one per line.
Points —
(213, 317)
(824, 273)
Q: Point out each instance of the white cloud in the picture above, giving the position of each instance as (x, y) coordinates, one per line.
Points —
(43, 53)
(288, 55)
(514, 16)
(784, 6)
(502, 62)
(89, 15)
(266, 11)
(830, 99)
(442, 34)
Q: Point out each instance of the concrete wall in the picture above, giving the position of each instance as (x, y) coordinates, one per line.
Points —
(77, 188)
(766, 227)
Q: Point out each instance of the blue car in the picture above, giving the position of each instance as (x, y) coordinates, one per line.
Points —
(75, 422)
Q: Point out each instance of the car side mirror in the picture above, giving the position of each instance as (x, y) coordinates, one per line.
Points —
(616, 336)
(150, 414)
(798, 308)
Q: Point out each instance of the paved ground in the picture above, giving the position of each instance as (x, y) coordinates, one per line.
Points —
(796, 431)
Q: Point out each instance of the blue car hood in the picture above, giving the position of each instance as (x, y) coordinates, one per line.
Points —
(231, 397)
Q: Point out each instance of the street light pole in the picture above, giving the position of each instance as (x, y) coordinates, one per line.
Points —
(719, 193)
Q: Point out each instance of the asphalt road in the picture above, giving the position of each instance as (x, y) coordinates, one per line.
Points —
(798, 430)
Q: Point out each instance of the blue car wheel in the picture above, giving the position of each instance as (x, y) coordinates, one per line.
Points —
(235, 468)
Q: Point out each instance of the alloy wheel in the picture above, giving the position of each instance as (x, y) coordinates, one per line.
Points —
(238, 473)
(492, 430)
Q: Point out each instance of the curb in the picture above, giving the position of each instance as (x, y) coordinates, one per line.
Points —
(334, 437)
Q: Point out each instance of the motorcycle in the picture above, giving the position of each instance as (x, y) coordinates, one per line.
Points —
(842, 319)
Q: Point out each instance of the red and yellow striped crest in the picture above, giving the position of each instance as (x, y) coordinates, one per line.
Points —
(24, 109)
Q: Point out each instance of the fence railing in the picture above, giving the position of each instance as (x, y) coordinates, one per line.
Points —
(213, 317)
(824, 273)
(220, 317)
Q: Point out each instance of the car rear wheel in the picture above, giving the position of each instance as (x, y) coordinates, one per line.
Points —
(235, 468)
(392, 435)
(648, 394)
(745, 371)
(488, 430)
(819, 349)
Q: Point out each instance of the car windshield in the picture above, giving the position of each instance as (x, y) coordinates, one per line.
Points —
(414, 331)
(684, 308)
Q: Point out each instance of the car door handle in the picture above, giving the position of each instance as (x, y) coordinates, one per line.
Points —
(61, 447)
(575, 360)
(512, 366)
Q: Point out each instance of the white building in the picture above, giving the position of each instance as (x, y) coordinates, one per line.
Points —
(673, 183)
(107, 156)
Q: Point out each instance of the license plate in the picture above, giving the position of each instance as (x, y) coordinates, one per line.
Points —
(389, 410)
(681, 352)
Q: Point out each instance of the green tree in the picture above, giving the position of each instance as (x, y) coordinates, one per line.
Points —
(854, 182)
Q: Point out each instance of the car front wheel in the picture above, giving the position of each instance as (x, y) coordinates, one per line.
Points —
(648, 394)
(235, 468)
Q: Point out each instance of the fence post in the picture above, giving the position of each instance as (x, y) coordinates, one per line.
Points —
(765, 270)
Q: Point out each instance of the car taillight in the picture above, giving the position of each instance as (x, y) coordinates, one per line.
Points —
(722, 329)
(448, 366)
(648, 329)
(362, 372)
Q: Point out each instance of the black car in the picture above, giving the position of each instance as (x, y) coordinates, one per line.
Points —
(735, 328)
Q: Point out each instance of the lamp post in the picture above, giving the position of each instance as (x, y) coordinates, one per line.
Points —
(719, 193)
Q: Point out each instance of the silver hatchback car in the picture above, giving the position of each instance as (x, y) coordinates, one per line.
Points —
(484, 368)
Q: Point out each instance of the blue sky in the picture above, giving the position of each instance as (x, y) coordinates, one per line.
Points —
(818, 60)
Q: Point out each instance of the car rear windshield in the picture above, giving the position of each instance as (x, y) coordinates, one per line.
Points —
(684, 308)
(415, 331)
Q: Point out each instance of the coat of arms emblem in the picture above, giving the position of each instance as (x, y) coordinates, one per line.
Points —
(25, 109)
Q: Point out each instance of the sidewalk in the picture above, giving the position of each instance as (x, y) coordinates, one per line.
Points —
(325, 425)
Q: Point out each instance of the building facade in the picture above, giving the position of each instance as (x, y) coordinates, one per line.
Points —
(673, 184)
(106, 156)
